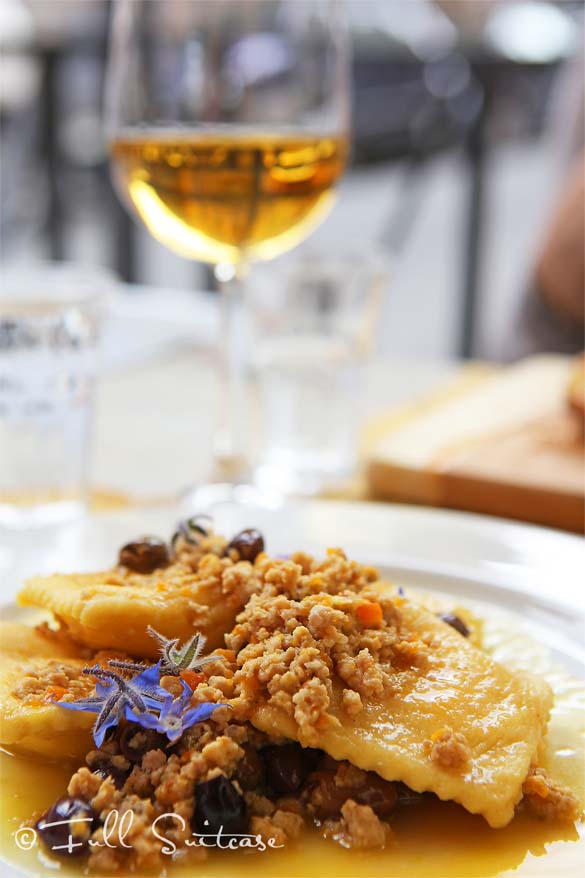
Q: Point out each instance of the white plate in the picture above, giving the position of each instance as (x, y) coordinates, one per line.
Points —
(533, 573)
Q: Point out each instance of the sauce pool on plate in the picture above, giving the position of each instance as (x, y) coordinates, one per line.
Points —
(430, 838)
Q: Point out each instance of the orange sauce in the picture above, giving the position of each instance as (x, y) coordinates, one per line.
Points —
(437, 839)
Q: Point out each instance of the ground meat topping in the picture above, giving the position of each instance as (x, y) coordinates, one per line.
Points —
(359, 828)
(164, 780)
(54, 681)
(549, 800)
(352, 702)
(292, 645)
(313, 634)
(202, 566)
(449, 749)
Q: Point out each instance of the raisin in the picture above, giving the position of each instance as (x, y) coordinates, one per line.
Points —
(219, 806)
(326, 797)
(248, 544)
(378, 793)
(134, 742)
(76, 821)
(456, 622)
(288, 766)
(101, 764)
(144, 555)
(408, 797)
(250, 769)
(117, 776)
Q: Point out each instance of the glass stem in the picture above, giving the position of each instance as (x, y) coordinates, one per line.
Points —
(231, 439)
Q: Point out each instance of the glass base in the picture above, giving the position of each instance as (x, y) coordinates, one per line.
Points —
(306, 482)
(22, 517)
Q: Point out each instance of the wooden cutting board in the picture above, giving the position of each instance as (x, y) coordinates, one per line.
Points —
(501, 442)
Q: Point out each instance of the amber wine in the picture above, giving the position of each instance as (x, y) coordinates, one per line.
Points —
(221, 198)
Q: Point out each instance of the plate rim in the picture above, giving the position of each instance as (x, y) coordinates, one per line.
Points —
(495, 527)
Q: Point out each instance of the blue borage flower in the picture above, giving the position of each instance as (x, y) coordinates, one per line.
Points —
(141, 699)
(175, 716)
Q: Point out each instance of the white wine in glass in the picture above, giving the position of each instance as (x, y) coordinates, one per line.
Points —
(221, 198)
(228, 125)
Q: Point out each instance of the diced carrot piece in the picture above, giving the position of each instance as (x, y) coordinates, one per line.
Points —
(192, 678)
(537, 785)
(251, 685)
(436, 736)
(369, 615)
(55, 693)
(228, 654)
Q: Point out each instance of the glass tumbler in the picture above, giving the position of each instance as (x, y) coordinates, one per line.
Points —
(49, 320)
(312, 319)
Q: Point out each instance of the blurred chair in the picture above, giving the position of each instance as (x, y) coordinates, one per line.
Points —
(514, 50)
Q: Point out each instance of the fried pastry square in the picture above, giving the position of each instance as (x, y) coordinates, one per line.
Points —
(407, 697)
(34, 670)
(112, 609)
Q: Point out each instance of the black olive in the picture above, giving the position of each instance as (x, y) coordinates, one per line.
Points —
(248, 544)
(144, 555)
(218, 805)
(288, 766)
(134, 742)
(456, 622)
(76, 821)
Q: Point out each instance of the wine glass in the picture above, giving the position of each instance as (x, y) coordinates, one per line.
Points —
(228, 130)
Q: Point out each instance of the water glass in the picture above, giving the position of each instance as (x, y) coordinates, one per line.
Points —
(312, 319)
(49, 320)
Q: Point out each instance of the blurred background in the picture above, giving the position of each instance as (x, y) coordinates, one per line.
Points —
(468, 116)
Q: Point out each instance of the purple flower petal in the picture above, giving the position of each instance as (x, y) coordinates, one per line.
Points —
(149, 678)
(99, 731)
(199, 714)
(147, 720)
(93, 705)
(103, 689)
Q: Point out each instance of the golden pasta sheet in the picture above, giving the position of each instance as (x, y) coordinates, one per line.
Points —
(33, 671)
(457, 723)
(112, 610)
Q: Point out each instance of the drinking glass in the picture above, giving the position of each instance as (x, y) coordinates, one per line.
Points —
(49, 322)
(228, 126)
(313, 323)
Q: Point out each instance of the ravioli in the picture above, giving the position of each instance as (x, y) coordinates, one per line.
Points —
(16, 638)
(496, 717)
(29, 666)
(439, 605)
(112, 609)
